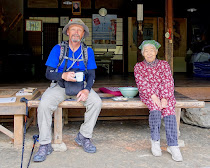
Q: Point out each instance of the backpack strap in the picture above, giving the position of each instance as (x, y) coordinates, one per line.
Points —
(64, 48)
(85, 54)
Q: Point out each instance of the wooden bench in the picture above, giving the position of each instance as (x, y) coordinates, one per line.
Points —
(135, 103)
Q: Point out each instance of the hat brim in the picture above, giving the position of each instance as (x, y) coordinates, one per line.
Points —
(86, 29)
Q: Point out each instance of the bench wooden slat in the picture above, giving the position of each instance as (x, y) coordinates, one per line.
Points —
(12, 110)
(131, 104)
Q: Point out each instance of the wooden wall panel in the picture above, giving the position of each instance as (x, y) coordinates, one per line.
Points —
(161, 38)
(54, 4)
(114, 4)
(86, 4)
(42, 3)
(146, 23)
(35, 42)
(180, 37)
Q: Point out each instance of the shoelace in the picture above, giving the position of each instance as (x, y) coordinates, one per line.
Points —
(88, 142)
(43, 149)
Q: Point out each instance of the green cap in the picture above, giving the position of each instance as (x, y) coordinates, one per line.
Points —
(153, 42)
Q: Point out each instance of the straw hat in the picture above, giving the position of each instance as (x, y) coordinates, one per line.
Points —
(76, 21)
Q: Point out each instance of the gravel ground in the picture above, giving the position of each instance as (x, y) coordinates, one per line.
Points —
(120, 144)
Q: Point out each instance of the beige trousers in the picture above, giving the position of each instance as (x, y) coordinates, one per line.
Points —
(50, 100)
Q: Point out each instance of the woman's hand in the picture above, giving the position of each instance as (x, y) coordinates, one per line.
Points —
(164, 103)
(83, 95)
(156, 101)
(69, 76)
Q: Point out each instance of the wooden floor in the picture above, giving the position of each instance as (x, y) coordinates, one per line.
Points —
(181, 80)
(195, 87)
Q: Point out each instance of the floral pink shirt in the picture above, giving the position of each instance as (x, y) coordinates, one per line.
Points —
(156, 80)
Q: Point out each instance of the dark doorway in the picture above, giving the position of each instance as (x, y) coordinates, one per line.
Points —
(50, 39)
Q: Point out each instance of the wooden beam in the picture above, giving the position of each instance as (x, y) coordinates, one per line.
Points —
(169, 29)
(125, 45)
(139, 40)
(112, 118)
(6, 131)
(29, 121)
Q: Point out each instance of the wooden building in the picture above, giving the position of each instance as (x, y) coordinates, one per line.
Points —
(25, 52)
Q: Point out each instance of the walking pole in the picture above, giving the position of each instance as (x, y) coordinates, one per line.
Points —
(23, 99)
(35, 137)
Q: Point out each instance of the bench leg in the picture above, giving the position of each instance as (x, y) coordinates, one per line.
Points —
(18, 130)
(65, 114)
(58, 144)
(178, 114)
(58, 126)
(32, 114)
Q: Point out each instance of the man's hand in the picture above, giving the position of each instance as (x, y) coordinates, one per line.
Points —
(156, 101)
(82, 95)
(69, 76)
(164, 103)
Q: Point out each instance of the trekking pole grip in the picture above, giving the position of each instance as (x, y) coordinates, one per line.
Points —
(23, 99)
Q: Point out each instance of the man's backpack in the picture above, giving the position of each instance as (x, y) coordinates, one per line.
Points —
(64, 47)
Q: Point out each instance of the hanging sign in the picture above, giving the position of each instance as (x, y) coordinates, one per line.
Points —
(33, 25)
(104, 31)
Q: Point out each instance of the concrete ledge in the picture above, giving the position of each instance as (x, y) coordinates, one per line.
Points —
(59, 147)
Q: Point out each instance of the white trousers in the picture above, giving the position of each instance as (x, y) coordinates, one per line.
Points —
(50, 100)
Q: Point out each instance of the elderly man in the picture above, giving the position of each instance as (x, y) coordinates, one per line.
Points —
(64, 73)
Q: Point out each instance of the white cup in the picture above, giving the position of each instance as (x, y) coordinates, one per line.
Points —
(79, 76)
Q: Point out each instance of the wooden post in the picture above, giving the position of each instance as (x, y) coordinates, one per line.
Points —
(58, 126)
(169, 31)
(139, 40)
(125, 45)
(18, 130)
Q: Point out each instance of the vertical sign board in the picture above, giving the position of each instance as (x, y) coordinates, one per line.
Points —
(104, 31)
(33, 25)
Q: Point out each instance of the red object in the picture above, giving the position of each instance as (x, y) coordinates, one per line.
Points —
(96, 21)
(169, 30)
(111, 90)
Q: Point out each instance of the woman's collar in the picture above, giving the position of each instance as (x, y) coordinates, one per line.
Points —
(152, 64)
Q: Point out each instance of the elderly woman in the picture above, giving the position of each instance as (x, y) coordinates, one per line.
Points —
(156, 89)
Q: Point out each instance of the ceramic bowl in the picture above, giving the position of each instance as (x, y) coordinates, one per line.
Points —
(128, 92)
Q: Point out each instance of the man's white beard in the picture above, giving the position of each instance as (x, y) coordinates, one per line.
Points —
(73, 38)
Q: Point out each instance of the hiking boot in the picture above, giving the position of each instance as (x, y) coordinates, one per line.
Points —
(43, 151)
(85, 143)
(155, 148)
(175, 152)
